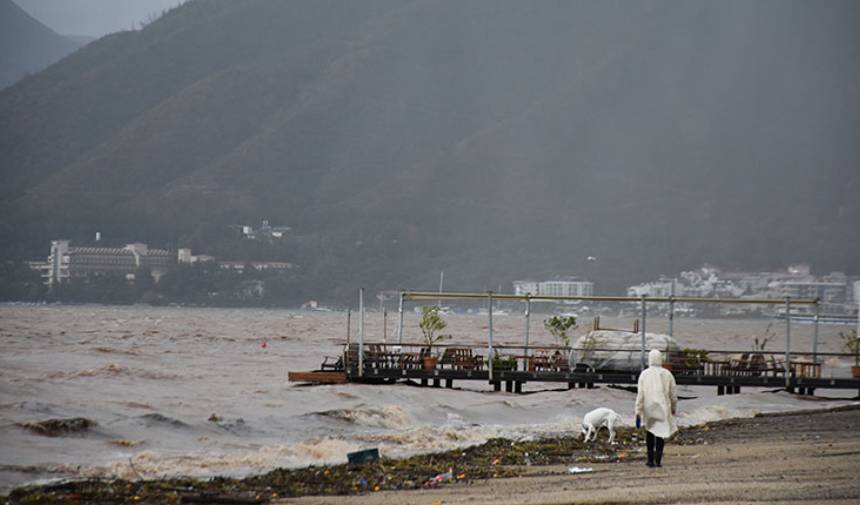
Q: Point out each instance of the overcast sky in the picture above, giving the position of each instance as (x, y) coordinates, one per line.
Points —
(94, 17)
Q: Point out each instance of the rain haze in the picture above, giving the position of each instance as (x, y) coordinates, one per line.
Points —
(189, 186)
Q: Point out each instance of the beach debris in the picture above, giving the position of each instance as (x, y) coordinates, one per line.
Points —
(124, 442)
(59, 427)
(440, 478)
(365, 456)
(215, 418)
(580, 469)
(264, 344)
(450, 468)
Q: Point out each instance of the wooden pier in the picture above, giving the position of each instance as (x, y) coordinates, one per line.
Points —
(513, 380)
(514, 366)
(728, 371)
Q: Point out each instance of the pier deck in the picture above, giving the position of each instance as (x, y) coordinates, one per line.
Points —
(516, 365)
(514, 379)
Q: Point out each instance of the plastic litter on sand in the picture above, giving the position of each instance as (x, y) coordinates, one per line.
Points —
(580, 469)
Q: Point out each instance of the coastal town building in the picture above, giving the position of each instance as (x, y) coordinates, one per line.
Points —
(186, 257)
(833, 290)
(568, 286)
(66, 261)
(265, 231)
(260, 266)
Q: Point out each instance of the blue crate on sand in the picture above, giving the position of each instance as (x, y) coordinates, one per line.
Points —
(365, 456)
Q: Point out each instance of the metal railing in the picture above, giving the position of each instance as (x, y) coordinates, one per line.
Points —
(697, 362)
(490, 297)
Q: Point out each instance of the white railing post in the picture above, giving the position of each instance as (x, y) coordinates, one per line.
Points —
(526, 330)
(400, 322)
(346, 363)
(642, 330)
(490, 334)
(815, 333)
(787, 341)
(361, 332)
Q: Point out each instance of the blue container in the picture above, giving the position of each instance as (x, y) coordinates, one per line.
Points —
(365, 456)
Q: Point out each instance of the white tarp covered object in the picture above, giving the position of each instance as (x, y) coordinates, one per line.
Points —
(618, 350)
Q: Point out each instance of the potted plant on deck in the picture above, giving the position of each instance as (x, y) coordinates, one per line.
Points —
(558, 326)
(503, 362)
(431, 324)
(695, 359)
(851, 342)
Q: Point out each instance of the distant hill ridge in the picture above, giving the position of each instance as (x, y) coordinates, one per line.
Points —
(493, 139)
(27, 46)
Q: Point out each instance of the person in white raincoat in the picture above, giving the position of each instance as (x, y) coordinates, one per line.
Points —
(656, 404)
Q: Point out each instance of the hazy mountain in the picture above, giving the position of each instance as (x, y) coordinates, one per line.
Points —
(492, 139)
(26, 45)
(80, 40)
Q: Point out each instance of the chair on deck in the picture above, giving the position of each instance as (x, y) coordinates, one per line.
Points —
(757, 365)
(460, 358)
(738, 367)
(332, 363)
(751, 365)
(448, 358)
(556, 362)
(375, 356)
(774, 367)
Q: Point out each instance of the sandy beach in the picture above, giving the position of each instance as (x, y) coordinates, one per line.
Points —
(804, 458)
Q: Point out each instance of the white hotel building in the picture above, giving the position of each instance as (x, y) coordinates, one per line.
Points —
(560, 287)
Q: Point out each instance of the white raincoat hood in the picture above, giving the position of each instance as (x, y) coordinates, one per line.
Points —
(655, 358)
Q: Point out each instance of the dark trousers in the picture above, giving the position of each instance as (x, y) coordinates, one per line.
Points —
(655, 448)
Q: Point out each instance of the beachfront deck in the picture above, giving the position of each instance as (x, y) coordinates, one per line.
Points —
(512, 367)
(515, 366)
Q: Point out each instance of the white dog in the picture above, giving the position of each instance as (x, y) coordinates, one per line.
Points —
(600, 418)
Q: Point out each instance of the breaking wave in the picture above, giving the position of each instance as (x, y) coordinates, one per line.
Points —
(156, 419)
(154, 464)
(385, 417)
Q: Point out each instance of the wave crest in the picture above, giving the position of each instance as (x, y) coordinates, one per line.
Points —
(385, 417)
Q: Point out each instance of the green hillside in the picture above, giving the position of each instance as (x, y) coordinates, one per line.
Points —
(492, 139)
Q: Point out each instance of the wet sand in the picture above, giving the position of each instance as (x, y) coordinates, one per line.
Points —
(798, 458)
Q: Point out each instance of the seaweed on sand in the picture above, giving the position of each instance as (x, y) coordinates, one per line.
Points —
(496, 458)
